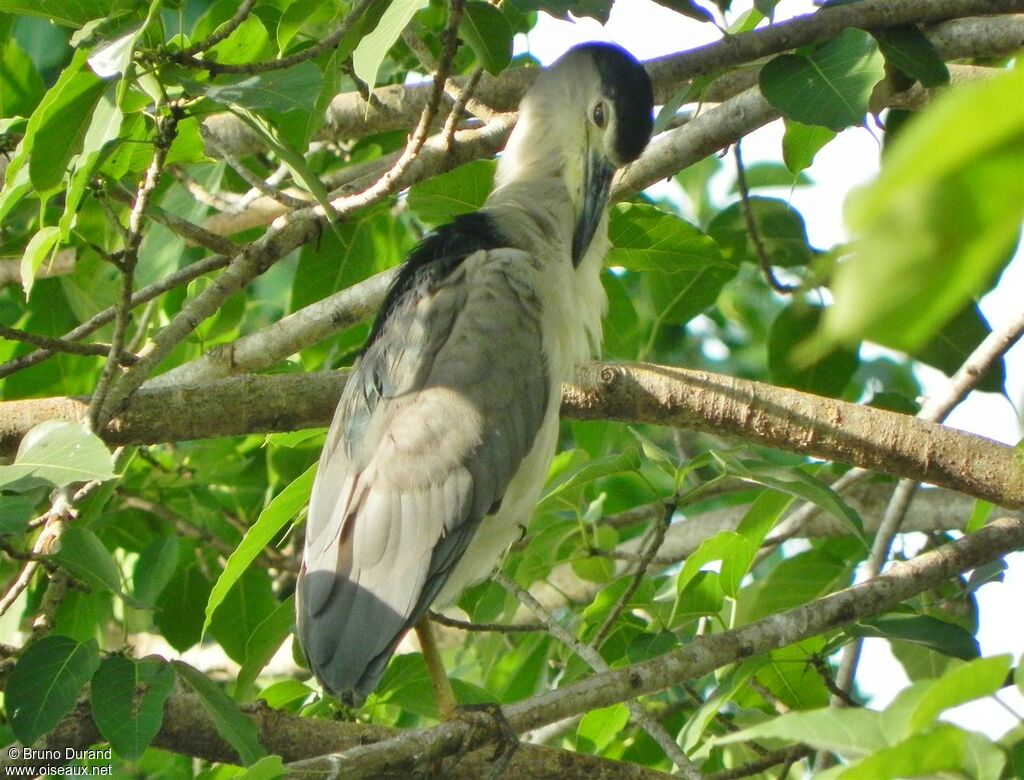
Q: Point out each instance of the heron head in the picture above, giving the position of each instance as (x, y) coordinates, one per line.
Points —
(606, 120)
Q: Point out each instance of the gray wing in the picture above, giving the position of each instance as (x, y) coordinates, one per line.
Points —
(433, 422)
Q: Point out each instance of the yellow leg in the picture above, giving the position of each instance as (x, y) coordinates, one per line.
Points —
(447, 707)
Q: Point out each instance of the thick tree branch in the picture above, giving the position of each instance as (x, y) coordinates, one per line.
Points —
(398, 106)
(628, 392)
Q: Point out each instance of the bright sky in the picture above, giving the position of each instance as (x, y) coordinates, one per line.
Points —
(650, 30)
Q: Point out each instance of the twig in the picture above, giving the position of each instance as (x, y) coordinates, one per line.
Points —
(213, 67)
(653, 545)
(222, 32)
(62, 345)
(167, 131)
(97, 321)
(787, 756)
(501, 628)
(254, 181)
(754, 231)
(596, 662)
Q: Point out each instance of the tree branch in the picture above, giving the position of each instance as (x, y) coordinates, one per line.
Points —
(628, 392)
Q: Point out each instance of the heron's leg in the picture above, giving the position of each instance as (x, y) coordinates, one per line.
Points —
(447, 707)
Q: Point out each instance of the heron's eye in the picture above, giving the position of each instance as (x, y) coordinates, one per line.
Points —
(599, 118)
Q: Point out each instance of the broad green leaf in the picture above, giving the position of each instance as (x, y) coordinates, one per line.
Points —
(933, 229)
(703, 596)
(284, 506)
(58, 452)
(696, 725)
(45, 682)
(269, 635)
(629, 460)
(826, 376)
(792, 582)
(57, 129)
(829, 87)
(489, 34)
(104, 127)
(973, 680)
(441, 198)
(231, 723)
(127, 698)
(293, 89)
(850, 732)
(267, 768)
(15, 512)
(83, 555)
(781, 229)
(246, 605)
(248, 42)
(372, 49)
(601, 726)
(768, 174)
(731, 549)
(939, 750)
(70, 14)
(946, 638)
(155, 569)
(909, 49)
(801, 143)
(39, 249)
(762, 516)
(645, 238)
(956, 340)
(797, 483)
(21, 87)
(178, 612)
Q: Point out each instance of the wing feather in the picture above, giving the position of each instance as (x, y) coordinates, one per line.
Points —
(434, 420)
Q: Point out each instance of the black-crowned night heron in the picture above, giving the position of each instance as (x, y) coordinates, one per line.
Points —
(448, 422)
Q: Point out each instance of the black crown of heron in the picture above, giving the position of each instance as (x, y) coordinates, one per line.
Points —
(448, 422)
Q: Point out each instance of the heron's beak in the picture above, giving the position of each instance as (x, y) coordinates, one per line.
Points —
(597, 180)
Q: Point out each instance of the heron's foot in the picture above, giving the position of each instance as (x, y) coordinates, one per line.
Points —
(506, 741)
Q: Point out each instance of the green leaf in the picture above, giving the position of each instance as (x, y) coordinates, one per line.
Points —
(178, 612)
(909, 50)
(21, 87)
(284, 506)
(155, 569)
(45, 682)
(970, 681)
(57, 452)
(629, 460)
(441, 198)
(600, 727)
(267, 768)
(937, 751)
(849, 732)
(264, 641)
(292, 89)
(956, 340)
(932, 231)
(797, 483)
(372, 49)
(801, 143)
(83, 555)
(780, 226)
(127, 700)
(682, 269)
(39, 249)
(247, 604)
(70, 14)
(248, 42)
(946, 638)
(15, 512)
(731, 549)
(826, 376)
(489, 34)
(231, 723)
(768, 174)
(830, 87)
(645, 238)
(57, 129)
